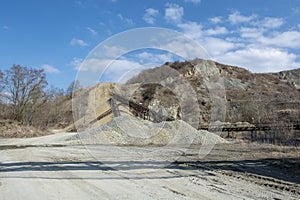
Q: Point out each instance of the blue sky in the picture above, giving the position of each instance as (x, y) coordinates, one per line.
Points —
(57, 35)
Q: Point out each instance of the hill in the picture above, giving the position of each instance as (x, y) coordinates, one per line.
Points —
(250, 97)
(256, 98)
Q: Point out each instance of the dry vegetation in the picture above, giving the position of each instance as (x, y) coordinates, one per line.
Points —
(28, 107)
(14, 129)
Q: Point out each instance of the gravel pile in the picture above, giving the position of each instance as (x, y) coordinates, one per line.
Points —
(127, 130)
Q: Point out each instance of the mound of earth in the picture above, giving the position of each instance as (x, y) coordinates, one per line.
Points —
(13, 129)
(127, 130)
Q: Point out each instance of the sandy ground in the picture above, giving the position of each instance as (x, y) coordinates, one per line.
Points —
(50, 167)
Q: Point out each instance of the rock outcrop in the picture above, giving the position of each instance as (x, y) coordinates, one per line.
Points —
(240, 94)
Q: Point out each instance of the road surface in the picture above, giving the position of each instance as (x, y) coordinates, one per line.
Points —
(52, 167)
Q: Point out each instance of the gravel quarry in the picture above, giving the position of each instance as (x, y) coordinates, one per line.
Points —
(130, 158)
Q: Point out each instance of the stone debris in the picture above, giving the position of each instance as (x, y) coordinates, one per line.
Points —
(128, 130)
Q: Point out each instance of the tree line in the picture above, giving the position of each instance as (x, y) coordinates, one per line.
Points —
(26, 97)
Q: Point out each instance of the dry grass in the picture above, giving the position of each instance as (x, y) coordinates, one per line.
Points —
(13, 129)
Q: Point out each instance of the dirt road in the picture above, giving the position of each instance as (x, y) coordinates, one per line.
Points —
(52, 168)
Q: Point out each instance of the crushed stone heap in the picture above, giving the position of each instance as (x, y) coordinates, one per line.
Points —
(127, 130)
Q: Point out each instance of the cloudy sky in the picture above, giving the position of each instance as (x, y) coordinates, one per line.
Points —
(57, 35)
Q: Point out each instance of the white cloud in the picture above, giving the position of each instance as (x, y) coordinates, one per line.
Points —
(217, 46)
(272, 22)
(185, 49)
(76, 62)
(92, 31)
(212, 45)
(250, 32)
(236, 17)
(174, 13)
(111, 51)
(154, 59)
(217, 31)
(125, 19)
(50, 69)
(262, 59)
(193, 1)
(150, 15)
(78, 42)
(259, 46)
(216, 20)
(260, 27)
(111, 70)
(288, 39)
(191, 29)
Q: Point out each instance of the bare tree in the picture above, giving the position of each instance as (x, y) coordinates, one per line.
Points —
(73, 87)
(2, 106)
(54, 111)
(54, 93)
(25, 91)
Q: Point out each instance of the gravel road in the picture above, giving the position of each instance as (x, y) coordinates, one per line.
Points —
(52, 167)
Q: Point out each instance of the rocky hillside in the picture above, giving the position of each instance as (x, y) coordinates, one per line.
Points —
(291, 77)
(249, 97)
